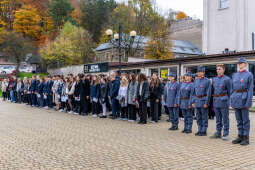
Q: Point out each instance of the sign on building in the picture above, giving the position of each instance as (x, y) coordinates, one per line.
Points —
(164, 73)
(96, 68)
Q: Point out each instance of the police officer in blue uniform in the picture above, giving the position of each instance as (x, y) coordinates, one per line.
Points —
(185, 94)
(171, 98)
(201, 100)
(241, 101)
(221, 88)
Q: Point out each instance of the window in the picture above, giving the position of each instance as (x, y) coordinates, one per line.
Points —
(224, 4)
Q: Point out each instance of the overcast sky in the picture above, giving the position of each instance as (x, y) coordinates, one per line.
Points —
(190, 7)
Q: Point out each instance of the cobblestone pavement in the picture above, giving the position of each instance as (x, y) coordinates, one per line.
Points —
(45, 139)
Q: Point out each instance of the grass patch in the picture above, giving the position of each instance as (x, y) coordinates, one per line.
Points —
(29, 75)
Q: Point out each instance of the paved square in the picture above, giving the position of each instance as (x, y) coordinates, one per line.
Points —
(43, 139)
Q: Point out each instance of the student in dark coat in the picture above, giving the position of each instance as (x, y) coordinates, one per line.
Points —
(142, 95)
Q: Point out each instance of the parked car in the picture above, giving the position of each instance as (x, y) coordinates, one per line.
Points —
(27, 69)
(7, 69)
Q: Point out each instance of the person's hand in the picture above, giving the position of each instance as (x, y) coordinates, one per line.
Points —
(175, 105)
(157, 100)
(190, 107)
(248, 108)
(205, 106)
(87, 97)
(193, 105)
(133, 99)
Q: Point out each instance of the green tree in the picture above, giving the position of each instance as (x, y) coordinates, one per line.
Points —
(73, 46)
(15, 46)
(95, 16)
(60, 11)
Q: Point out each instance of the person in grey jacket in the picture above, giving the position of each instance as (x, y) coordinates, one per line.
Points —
(142, 95)
(19, 90)
(131, 95)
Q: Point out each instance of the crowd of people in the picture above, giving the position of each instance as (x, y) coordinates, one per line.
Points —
(133, 97)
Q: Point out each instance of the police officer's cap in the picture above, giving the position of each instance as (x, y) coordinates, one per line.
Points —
(200, 69)
(242, 60)
(172, 75)
(189, 74)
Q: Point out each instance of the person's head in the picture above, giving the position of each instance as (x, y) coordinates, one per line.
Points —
(25, 79)
(188, 77)
(103, 80)
(124, 82)
(200, 71)
(172, 77)
(81, 76)
(38, 77)
(132, 78)
(41, 80)
(142, 78)
(33, 77)
(154, 76)
(220, 69)
(19, 80)
(113, 76)
(242, 64)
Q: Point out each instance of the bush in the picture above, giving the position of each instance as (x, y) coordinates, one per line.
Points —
(29, 75)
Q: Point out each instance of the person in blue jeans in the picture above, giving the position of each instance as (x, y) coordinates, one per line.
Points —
(114, 90)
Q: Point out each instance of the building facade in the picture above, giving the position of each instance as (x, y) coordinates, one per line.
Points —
(228, 24)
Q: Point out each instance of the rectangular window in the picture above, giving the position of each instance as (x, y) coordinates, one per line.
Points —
(224, 4)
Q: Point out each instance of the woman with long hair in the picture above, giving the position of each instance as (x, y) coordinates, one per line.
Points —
(131, 96)
(122, 97)
(70, 92)
(103, 95)
(155, 96)
(94, 95)
(142, 95)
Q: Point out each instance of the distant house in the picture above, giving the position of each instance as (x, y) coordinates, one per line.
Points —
(108, 52)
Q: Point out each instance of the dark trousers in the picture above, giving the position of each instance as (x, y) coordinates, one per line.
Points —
(154, 110)
(19, 97)
(188, 119)
(202, 119)
(49, 100)
(4, 95)
(143, 111)
(95, 108)
(124, 112)
(63, 105)
(115, 107)
(84, 106)
(243, 121)
(132, 112)
(33, 99)
(174, 116)
(222, 119)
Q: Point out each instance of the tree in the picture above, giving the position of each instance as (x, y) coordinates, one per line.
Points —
(95, 16)
(73, 46)
(16, 46)
(159, 46)
(60, 11)
(7, 11)
(27, 22)
(181, 15)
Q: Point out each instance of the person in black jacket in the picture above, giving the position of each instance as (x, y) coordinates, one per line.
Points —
(142, 95)
(114, 90)
(155, 96)
(33, 91)
(84, 89)
(103, 95)
(77, 103)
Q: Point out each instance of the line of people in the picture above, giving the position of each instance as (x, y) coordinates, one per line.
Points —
(127, 96)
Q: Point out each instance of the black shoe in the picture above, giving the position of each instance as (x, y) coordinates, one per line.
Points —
(198, 134)
(188, 131)
(184, 131)
(113, 117)
(176, 128)
(238, 139)
(215, 136)
(168, 120)
(142, 122)
(103, 116)
(172, 128)
(245, 141)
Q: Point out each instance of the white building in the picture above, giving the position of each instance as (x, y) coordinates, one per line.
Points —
(228, 24)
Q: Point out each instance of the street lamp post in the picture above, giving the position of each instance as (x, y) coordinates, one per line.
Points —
(118, 37)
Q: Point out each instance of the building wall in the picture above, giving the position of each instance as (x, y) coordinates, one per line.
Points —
(187, 30)
(228, 28)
